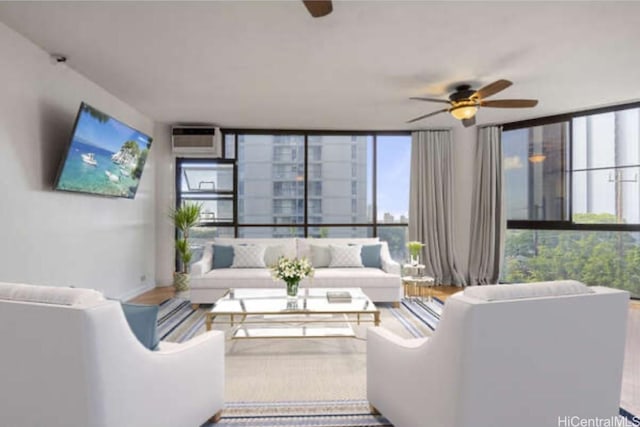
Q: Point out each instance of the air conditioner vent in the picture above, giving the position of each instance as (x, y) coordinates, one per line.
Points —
(196, 140)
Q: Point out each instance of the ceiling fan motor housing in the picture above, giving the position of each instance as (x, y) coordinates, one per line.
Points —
(462, 93)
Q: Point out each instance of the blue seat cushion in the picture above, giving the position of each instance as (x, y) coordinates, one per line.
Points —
(143, 321)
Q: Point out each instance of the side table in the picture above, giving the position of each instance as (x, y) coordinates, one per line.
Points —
(417, 286)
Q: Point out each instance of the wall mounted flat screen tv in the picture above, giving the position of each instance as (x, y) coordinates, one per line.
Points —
(105, 156)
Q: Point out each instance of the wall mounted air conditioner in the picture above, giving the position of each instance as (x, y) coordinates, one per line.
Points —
(197, 140)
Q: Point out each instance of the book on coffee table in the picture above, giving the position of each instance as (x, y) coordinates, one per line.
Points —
(338, 296)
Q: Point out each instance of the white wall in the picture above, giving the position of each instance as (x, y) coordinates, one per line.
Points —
(56, 238)
(464, 143)
(165, 200)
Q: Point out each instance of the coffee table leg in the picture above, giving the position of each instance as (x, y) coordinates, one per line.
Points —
(208, 321)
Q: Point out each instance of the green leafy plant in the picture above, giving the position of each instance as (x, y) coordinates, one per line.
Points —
(414, 248)
(185, 218)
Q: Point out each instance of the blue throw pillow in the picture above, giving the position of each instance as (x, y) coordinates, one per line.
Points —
(370, 255)
(143, 321)
(222, 256)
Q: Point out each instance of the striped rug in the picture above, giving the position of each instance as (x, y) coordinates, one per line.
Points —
(178, 322)
(354, 413)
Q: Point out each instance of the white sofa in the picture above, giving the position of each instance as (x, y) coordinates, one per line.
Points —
(69, 359)
(527, 355)
(379, 284)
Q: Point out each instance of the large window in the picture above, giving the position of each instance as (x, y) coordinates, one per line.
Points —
(536, 172)
(573, 199)
(317, 184)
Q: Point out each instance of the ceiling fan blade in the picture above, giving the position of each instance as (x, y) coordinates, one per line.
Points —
(492, 88)
(318, 8)
(428, 115)
(469, 122)
(510, 103)
(420, 98)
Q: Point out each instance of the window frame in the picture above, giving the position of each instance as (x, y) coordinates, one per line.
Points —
(305, 225)
(568, 224)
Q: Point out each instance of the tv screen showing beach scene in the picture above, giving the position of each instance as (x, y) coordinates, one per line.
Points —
(105, 156)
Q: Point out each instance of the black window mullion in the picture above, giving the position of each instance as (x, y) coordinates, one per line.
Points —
(306, 186)
(374, 201)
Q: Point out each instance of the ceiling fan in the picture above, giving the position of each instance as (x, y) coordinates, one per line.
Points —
(318, 8)
(464, 102)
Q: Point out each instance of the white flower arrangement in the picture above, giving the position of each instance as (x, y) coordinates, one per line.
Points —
(291, 270)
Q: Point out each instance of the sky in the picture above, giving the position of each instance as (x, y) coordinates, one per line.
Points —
(394, 163)
(109, 135)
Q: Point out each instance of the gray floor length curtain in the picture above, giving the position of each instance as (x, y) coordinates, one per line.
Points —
(487, 214)
(431, 203)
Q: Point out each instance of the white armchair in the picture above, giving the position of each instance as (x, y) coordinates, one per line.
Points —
(504, 355)
(69, 359)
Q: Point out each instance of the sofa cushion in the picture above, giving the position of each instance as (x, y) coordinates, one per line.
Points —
(370, 255)
(222, 256)
(288, 243)
(304, 244)
(272, 253)
(320, 256)
(248, 256)
(345, 256)
(49, 294)
(352, 277)
(143, 321)
(527, 290)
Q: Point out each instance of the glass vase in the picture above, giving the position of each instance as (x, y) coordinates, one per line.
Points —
(292, 289)
(415, 260)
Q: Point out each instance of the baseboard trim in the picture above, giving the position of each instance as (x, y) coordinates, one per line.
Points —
(136, 292)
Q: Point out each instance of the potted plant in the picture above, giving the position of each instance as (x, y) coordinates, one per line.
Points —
(184, 218)
(414, 251)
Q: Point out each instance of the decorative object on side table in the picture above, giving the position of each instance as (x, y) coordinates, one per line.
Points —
(292, 271)
(184, 218)
(414, 252)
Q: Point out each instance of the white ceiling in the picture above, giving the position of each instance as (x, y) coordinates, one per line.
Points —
(268, 64)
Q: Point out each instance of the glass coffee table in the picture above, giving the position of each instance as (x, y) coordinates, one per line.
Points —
(269, 313)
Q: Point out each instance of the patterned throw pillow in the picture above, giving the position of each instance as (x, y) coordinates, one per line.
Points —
(320, 256)
(248, 256)
(345, 256)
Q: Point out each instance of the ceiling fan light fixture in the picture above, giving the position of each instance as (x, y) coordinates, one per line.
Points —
(465, 110)
(537, 158)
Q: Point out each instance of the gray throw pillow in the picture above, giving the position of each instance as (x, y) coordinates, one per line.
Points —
(320, 256)
(222, 256)
(370, 255)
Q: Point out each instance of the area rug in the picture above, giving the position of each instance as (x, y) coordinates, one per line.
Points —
(299, 382)
(354, 413)
(178, 321)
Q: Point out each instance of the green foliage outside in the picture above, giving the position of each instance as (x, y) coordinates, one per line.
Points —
(605, 258)
(396, 238)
